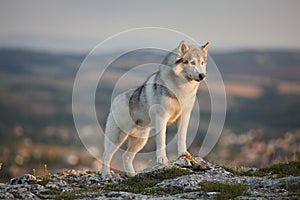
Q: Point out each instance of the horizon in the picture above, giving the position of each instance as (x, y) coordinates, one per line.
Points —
(116, 51)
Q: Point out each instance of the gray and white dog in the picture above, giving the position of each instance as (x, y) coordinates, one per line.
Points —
(166, 96)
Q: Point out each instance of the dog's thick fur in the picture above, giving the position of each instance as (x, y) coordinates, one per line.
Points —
(166, 96)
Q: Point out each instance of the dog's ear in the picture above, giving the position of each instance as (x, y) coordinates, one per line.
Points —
(205, 47)
(182, 49)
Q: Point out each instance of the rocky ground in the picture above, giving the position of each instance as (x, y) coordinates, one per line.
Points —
(185, 178)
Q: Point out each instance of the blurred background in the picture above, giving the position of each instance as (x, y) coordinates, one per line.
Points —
(255, 44)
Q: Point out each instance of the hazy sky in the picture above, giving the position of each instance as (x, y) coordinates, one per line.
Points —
(80, 25)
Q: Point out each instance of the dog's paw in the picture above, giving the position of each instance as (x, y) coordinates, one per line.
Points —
(162, 160)
(131, 174)
(106, 176)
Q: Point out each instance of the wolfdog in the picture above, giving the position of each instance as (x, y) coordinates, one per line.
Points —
(165, 97)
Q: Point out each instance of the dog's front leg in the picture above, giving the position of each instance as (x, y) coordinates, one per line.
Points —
(182, 131)
(161, 126)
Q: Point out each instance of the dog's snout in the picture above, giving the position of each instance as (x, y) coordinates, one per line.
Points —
(202, 76)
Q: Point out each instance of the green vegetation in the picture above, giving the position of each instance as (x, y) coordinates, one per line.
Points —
(86, 192)
(34, 172)
(238, 171)
(44, 178)
(144, 184)
(224, 191)
(293, 188)
(47, 174)
(280, 170)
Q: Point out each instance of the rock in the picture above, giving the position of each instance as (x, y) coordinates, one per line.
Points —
(185, 183)
(124, 195)
(23, 179)
(6, 195)
(90, 185)
(52, 186)
(188, 161)
(18, 188)
(25, 195)
(36, 188)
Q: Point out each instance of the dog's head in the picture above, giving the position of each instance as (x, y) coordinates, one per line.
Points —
(191, 62)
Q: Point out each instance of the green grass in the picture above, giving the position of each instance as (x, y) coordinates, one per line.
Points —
(144, 184)
(293, 188)
(280, 170)
(225, 191)
(86, 192)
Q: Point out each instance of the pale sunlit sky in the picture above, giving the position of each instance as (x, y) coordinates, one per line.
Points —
(77, 26)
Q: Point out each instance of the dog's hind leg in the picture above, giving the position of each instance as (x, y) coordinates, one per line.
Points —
(113, 139)
(134, 146)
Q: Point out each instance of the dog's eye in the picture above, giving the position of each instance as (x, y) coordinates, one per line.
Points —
(193, 62)
(202, 63)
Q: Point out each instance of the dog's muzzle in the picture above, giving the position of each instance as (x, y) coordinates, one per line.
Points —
(201, 76)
